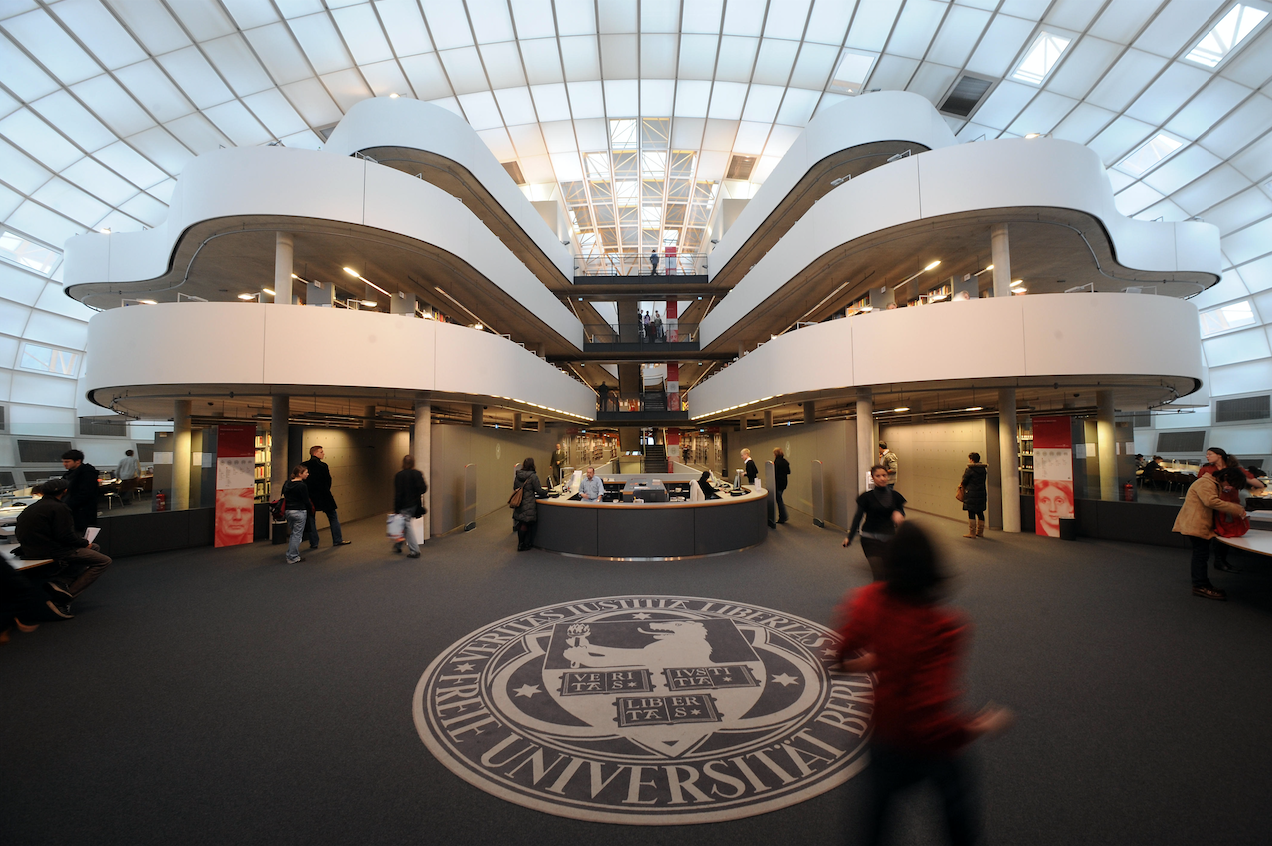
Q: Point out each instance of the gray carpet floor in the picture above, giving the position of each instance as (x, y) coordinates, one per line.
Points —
(222, 696)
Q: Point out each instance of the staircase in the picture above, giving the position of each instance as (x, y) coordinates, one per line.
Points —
(655, 460)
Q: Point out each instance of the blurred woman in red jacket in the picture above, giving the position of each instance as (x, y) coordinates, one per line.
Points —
(897, 630)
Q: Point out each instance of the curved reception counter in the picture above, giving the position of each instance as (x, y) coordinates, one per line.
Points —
(624, 531)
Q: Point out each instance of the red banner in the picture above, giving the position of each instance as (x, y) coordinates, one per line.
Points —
(235, 484)
(1053, 473)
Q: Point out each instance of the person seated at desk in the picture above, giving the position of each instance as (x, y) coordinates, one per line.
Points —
(591, 489)
(704, 483)
(46, 529)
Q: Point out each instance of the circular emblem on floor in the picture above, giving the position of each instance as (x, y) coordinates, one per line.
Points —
(646, 710)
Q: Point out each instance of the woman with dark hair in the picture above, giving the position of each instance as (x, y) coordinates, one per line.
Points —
(704, 484)
(526, 515)
(1196, 520)
(408, 488)
(883, 510)
(898, 630)
(975, 495)
(1216, 460)
(296, 510)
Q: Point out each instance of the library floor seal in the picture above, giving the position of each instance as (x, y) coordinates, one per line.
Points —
(647, 710)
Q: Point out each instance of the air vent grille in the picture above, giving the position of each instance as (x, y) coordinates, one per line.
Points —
(42, 452)
(115, 427)
(740, 167)
(1243, 409)
(514, 170)
(966, 95)
(1175, 442)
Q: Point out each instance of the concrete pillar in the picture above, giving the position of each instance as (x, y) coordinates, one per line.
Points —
(768, 418)
(477, 416)
(810, 412)
(1000, 252)
(283, 265)
(368, 417)
(279, 412)
(865, 439)
(1105, 443)
(422, 448)
(516, 421)
(1008, 459)
(181, 455)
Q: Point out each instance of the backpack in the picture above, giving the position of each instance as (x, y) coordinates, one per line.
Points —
(278, 510)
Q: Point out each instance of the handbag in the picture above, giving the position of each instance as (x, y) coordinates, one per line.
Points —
(1227, 526)
(514, 501)
(958, 494)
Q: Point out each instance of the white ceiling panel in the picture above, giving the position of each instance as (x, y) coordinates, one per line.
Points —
(8, 105)
(619, 56)
(551, 102)
(566, 167)
(872, 24)
(146, 209)
(198, 133)
(279, 52)
(299, 8)
(914, 30)
(622, 97)
(198, 79)
(1042, 114)
(587, 99)
(464, 68)
(1003, 40)
(150, 22)
(1236, 131)
(498, 142)
(697, 56)
(719, 135)
(1211, 189)
(576, 17)
(64, 198)
(100, 32)
(151, 87)
(363, 34)
(21, 75)
(787, 20)
(515, 105)
(1255, 161)
(1122, 22)
(1136, 198)
(1236, 347)
(448, 22)
(481, 110)
(1177, 84)
(617, 16)
(1249, 243)
(204, 21)
(1250, 206)
(9, 201)
(659, 15)
(1118, 180)
(491, 21)
(727, 99)
(537, 169)
(686, 133)
(762, 103)
(1119, 138)
(1208, 108)
(658, 54)
(1165, 211)
(313, 102)
(48, 226)
(278, 115)
(347, 88)
(136, 168)
(1005, 104)
(250, 13)
(1176, 25)
(580, 59)
(702, 16)
(405, 25)
(558, 136)
(1249, 66)
(528, 140)
(1126, 80)
(20, 170)
(29, 132)
(744, 17)
(451, 105)
(1179, 170)
(737, 57)
(533, 18)
(117, 221)
(157, 145)
(657, 97)
(892, 73)
(829, 100)
(775, 61)
(1031, 9)
(426, 76)
(542, 60)
(48, 42)
(781, 139)
(828, 21)
(503, 64)
(932, 81)
(751, 137)
(237, 65)
(957, 36)
(1075, 15)
(692, 98)
(797, 106)
(1082, 68)
(73, 120)
(321, 42)
(1083, 123)
(386, 79)
(1257, 276)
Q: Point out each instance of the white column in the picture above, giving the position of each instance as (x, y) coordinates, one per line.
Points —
(1008, 459)
(279, 417)
(1105, 442)
(423, 450)
(865, 440)
(1000, 252)
(181, 455)
(283, 266)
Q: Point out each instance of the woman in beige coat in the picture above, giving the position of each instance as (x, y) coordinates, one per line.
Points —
(1197, 520)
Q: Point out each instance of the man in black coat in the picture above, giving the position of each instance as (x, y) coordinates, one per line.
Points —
(319, 483)
(45, 529)
(781, 471)
(81, 498)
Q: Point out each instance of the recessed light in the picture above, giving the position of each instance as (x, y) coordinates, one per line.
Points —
(901, 408)
(247, 296)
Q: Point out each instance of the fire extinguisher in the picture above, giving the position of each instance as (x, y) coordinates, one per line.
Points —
(1128, 492)
(161, 501)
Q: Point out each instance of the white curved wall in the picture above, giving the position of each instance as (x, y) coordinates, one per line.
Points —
(881, 116)
(1003, 337)
(319, 185)
(265, 345)
(404, 122)
(1041, 172)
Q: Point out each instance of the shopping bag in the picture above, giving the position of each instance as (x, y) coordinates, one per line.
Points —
(396, 527)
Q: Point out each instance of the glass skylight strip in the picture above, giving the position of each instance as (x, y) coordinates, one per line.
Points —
(1041, 58)
(27, 253)
(1150, 154)
(1231, 30)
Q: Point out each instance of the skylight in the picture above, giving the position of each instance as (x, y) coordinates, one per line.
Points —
(852, 73)
(1215, 45)
(27, 253)
(1150, 154)
(1231, 316)
(1040, 58)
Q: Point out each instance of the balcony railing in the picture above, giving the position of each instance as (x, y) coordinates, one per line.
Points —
(667, 332)
(652, 402)
(633, 264)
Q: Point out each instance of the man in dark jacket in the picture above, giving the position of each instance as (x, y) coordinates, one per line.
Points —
(81, 498)
(781, 471)
(45, 529)
(319, 483)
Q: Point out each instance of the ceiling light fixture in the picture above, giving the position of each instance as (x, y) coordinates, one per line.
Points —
(148, 302)
(901, 408)
(248, 296)
(352, 272)
(916, 275)
(369, 303)
(269, 291)
(1017, 282)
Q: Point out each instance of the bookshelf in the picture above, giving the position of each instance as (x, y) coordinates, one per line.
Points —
(263, 445)
(1024, 447)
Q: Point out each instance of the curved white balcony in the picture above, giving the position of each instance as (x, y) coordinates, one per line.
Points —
(947, 199)
(253, 350)
(1148, 345)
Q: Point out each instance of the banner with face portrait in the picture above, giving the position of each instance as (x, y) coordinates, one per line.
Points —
(235, 484)
(1053, 473)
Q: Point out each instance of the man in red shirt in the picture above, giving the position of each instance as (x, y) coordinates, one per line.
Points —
(897, 630)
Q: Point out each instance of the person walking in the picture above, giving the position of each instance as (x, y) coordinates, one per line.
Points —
(781, 471)
(882, 509)
(127, 471)
(81, 496)
(526, 515)
(653, 261)
(975, 487)
(296, 510)
(899, 630)
(890, 462)
(1196, 521)
(558, 462)
(319, 483)
(409, 485)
